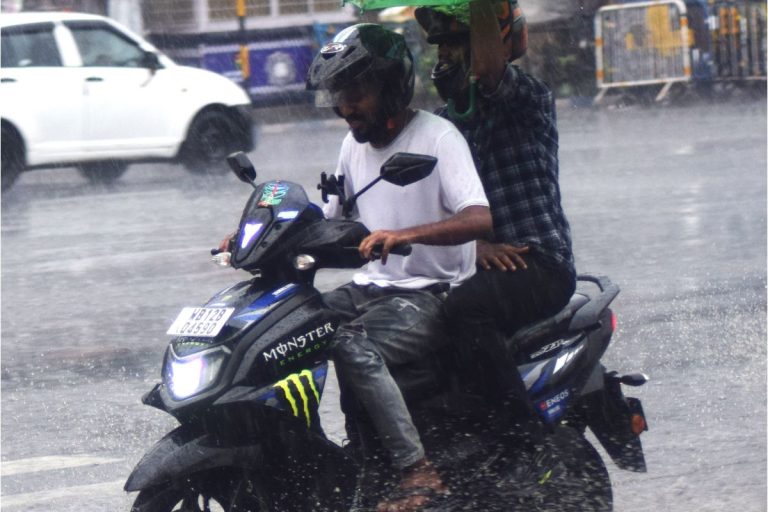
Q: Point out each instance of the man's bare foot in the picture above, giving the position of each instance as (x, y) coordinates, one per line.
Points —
(419, 485)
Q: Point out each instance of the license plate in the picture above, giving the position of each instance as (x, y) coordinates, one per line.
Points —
(200, 322)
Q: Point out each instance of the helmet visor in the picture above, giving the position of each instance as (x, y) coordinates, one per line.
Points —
(349, 94)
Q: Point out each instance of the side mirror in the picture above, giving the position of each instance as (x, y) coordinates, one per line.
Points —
(405, 168)
(151, 61)
(400, 169)
(242, 167)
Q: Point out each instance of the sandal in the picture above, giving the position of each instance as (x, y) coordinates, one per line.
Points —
(400, 500)
(420, 486)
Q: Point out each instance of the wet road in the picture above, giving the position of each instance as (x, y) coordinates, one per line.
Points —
(670, 203)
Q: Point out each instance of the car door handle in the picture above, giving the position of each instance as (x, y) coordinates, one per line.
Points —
(94, 79)
(8, 80)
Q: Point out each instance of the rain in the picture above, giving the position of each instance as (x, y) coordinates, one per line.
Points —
(667, 198)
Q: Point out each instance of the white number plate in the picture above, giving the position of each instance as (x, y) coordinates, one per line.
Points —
(202, 322)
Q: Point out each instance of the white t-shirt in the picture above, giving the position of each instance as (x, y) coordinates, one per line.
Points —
(452, 186)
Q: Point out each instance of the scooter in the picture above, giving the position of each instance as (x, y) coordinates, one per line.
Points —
(244, 375)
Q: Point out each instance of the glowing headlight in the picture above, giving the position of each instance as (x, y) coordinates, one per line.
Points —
(188, 375)
(304, 262)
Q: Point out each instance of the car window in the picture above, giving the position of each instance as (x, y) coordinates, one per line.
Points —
(101, 45)
(29, 46)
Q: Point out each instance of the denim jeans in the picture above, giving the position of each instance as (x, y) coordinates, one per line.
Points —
(384, 327)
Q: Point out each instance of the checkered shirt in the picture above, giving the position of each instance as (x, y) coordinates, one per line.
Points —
(513, 138)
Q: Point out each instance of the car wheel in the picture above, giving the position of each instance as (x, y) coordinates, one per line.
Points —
(102, 172)
(12, 158)
(212, 137)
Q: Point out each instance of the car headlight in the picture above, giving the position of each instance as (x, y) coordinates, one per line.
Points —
(193, 373)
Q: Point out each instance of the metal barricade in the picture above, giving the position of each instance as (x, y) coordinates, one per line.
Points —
(642, 43)
(738, 39)
(679, 41)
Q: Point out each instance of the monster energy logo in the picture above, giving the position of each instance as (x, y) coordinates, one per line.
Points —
(302, 386)
(298, 346)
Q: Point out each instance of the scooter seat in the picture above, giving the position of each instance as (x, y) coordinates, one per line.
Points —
(534, 336)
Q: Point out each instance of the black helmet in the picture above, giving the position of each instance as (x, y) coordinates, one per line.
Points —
(364, 53)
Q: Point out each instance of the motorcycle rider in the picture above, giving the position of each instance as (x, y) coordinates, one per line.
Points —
(526, 269)
(392, 307)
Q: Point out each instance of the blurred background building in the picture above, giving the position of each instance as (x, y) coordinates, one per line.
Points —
(582, 48)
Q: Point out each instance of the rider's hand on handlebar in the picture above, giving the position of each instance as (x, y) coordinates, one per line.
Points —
(501, 256)
(226, 243)
(386, 239)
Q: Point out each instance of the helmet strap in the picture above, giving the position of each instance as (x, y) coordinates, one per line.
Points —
(463, 116)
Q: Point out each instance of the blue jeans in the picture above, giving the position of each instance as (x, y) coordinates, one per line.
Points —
(384, 327)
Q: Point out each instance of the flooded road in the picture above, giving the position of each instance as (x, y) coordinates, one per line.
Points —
(670, 203)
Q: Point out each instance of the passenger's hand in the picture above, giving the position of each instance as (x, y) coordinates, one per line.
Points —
(386, 239)
(501, 256)
(225, 242)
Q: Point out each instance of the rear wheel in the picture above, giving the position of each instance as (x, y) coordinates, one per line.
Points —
(212, 137)
(582, 483)
(577, 481)
(206, 493)
(12, 158)
(102, 172)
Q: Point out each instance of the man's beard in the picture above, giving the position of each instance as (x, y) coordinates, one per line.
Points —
(370, 130)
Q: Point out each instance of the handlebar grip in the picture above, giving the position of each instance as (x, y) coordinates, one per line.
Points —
(402, 250)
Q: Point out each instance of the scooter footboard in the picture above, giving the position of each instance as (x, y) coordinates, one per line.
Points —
(184, 452)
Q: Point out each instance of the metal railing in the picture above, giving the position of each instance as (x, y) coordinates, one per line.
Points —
(666, 42)
(642, 43)
(738, 32)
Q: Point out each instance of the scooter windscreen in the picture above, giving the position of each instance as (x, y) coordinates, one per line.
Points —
(270, 212)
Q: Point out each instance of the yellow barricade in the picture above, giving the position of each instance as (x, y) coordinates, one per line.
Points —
(642, 43)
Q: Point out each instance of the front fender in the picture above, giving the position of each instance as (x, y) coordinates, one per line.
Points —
(183, 452)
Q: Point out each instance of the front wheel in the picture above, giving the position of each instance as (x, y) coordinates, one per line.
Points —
(211, 138)
(206, 493)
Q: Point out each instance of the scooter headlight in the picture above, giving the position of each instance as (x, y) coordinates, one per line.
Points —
(188, 375)
(304, 262)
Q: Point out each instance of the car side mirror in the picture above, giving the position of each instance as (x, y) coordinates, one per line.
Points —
(151, 61)
(242, 167)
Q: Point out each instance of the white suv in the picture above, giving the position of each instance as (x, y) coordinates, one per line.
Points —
(80, 89)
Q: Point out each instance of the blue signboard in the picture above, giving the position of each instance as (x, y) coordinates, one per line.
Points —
(279, 58)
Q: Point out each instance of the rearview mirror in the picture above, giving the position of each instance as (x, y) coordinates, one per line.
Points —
(405, 168)
(400, 169)
(151, 61)
(242, 167)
